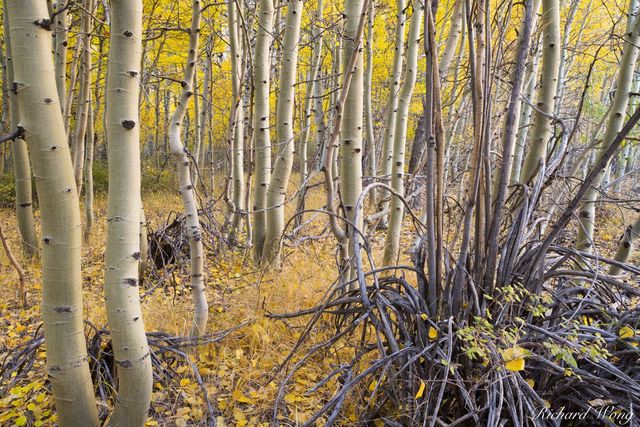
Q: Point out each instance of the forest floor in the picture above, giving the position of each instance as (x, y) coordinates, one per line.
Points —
(237, 371)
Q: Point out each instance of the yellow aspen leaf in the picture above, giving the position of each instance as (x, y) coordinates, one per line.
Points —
(239, 397)
(20, 421)
(531, 382)
(433, 333)
(185, 382)
(514, 358)
(421, 389)
(626, 332)
(424, 316)
(239, 415)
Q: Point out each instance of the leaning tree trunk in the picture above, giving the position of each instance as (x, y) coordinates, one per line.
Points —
(277, 191)
(392, 241)
(122, 126)
(535, 160)
(586, 216)
(392, 103)
(262, 139)
(20, 158)
(41, 120)
(455, 30)
(181, 156)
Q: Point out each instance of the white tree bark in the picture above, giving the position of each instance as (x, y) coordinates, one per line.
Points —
(536, 156)
(41, 119)
(392, 103)
(392, 241)
(180, 154)
(352, 121)
(237, 144)
(615, 121)
(21, 165)
(122, 125)
(261, 127)
(277, 191)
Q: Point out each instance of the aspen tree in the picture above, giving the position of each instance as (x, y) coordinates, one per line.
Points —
(84, 96)
(41, 120)
(625, 246)
(261, 127)
(20, 158)
(615, 121)
(563, 66)
(309, 102)
(545, 105)
(351, 132)
(181, 157)
(237, 143)
(455, 30)
(392, 103)
(368, 116)
(122, 125)
(277, 190)
(523, 123)
(60, 34)
(89, 218)
(392, 241)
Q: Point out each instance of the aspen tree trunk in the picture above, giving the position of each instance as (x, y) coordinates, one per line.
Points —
(392, 103)
(60, 34)
(562, 67)
(523, 123)
(122, 125)
(22, 289)
(615, 121)
(88, 180)
(237, 144)
(205, 110)
(73, 77)
(20, 158)
(351, 133)
(261, 127)
(545, 105)
(277, 191)
(144, 246)
(179, 152)
(89, 155)
(84, 98)
(392, 241)
(455, 30)
(625, 246)
(41, 120)
(321, 127)
(368, 116)
(196, 134)
(311, 91)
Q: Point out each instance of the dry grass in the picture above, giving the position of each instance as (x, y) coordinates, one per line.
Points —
(238, 370)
